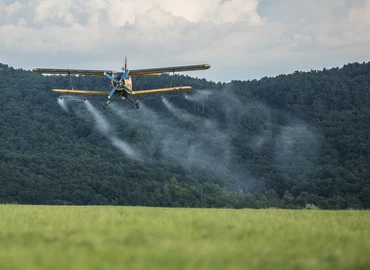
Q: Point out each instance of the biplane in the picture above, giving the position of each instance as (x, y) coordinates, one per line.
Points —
(120, 82)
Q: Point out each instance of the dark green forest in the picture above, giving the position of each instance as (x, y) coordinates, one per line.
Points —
(291, 141)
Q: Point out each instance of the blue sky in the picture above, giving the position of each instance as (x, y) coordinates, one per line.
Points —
(241, 39)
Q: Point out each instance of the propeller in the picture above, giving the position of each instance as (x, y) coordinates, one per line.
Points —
(124, 76)
(113, 91)
(110, 77)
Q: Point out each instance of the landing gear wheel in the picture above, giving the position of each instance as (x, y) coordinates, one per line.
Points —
(137, 104)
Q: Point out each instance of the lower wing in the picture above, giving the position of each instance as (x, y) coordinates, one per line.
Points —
(160, 90)
(81, 92)
(139, 92)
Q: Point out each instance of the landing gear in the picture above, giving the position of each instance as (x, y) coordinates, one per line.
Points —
(137, 104)
(109, 101)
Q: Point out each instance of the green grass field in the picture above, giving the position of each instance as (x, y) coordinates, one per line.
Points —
(51, 237)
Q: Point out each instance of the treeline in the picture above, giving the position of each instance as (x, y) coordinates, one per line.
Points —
(292, 141)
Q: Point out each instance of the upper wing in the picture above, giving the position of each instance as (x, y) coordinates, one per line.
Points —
(134, 72)
(159, 71)
(72, 71)
(161, 90)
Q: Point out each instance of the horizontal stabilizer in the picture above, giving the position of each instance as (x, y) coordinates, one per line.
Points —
(161, 90)
(81, 92)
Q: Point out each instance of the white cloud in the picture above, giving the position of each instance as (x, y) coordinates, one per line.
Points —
(360, 16)
(242, 39)
(51, 10)
(12, 8)
(215, 11)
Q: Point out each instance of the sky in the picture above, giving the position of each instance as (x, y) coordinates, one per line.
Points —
(240, 39)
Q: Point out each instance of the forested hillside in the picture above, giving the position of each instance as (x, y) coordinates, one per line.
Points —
(291, 141)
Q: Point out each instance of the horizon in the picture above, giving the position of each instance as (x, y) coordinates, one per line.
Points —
(197, 77)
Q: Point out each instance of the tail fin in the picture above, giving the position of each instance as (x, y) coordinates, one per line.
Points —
(124, 68)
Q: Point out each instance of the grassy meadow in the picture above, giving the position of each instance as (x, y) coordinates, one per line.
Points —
(73, 237)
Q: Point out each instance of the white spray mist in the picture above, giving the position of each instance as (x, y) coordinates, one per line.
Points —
(200, 147)
(62, 104)
(105, 129)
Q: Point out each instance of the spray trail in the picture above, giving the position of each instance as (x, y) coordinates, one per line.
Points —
(62, 104)
(101, 124)
(104, 128)
(293, 147)
(124, 147)
(199, 145)
(206, 146)
(202, 148)
(199, 95)
(178, 112)
(145, 118)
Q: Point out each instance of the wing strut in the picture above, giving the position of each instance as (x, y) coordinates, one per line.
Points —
(172, 78)
(70, 79)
